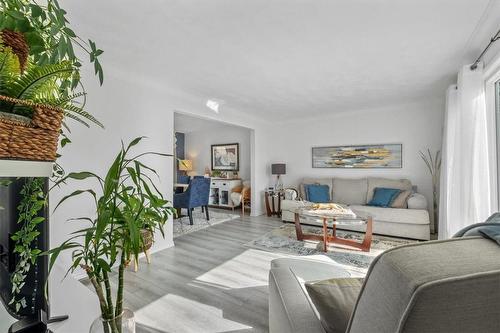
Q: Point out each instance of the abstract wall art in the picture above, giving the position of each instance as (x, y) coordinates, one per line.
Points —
(359, 156)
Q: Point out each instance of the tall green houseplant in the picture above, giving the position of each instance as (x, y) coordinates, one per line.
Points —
(126, 202)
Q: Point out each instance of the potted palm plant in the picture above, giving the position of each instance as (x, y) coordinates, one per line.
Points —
(126, 202)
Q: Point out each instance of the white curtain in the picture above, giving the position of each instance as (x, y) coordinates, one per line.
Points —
(467, 171)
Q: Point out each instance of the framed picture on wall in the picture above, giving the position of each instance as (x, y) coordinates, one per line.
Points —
(358, 157)
(226, 157)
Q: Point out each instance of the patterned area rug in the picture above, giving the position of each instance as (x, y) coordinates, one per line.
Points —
(182, 226)
(284, 240)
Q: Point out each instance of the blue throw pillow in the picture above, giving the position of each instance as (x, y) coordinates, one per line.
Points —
(306, 198)
(318, 193)
(383, 197)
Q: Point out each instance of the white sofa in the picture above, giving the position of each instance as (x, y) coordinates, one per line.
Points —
(412, 222)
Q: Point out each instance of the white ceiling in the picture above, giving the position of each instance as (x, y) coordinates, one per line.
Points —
(185, 123)
(289, 58)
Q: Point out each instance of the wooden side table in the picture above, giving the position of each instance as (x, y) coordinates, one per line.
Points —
(271, 206)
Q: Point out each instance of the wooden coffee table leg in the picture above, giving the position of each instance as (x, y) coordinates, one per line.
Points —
(298, 228)
(325, 235)
(367, 241)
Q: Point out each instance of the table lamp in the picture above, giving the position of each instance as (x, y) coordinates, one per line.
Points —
(278, 169)
(185, 165)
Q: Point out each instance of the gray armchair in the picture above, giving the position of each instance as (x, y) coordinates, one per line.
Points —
(438, 286)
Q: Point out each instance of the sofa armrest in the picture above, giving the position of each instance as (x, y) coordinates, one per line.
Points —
(291, 194)
(417, 201)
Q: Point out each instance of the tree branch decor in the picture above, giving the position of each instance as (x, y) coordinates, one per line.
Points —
(433, 163)
(127, 200)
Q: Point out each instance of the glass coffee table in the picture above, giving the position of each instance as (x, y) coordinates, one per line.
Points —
(333, 215)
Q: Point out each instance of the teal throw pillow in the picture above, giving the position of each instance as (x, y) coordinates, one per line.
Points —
(306, 198)
(318, 193)
(383, 197)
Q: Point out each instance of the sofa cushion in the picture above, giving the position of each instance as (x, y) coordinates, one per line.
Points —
(334, 299)
(318, 193)
(395, 215)
(349, 191)
(401, 201)
(321, 181)
(373, 183)
(383, 197)
(292, 205)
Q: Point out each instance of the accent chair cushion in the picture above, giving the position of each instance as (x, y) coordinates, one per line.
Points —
(374, 182)
(349, 191)
(318, 193)
(334, 299)
(401, 201)
(383, 197)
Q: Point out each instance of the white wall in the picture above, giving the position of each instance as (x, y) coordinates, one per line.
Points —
(417, 126)
(127, 111)
(130, 106)
(197, 145)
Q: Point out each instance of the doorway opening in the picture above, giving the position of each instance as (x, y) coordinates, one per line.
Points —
(219, 151)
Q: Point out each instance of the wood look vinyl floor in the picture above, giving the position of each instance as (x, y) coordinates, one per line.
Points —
(208, 282)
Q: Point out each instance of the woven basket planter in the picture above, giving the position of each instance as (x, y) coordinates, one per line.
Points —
(33, 139)
(147, 238)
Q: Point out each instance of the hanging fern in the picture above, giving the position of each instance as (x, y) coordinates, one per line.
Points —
(40, 84)
(9, 69)
(39, 80)
(48, 33)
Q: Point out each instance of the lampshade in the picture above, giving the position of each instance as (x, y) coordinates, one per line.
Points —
(185, 165)
(278, 169)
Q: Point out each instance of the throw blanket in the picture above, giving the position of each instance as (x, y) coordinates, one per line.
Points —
(489, 229)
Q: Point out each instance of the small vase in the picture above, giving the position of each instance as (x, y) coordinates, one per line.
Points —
(125, 323)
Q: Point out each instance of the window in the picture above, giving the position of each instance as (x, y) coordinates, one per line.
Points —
(497, 120)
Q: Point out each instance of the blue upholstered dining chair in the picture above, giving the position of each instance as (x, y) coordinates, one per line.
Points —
(196, 195)
(182, 179)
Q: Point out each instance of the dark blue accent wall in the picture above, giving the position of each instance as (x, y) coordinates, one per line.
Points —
(180, 146)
